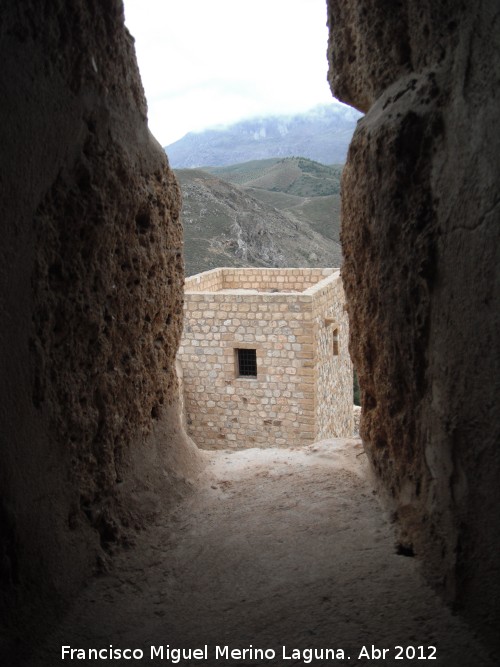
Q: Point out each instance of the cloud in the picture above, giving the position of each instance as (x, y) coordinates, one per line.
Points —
(220, 61)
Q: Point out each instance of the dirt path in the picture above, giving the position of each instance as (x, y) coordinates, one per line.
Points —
(276, 548)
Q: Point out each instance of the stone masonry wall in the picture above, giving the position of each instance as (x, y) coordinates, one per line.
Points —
(333, 367)
(261, 279)
(279, 406)
(209, 281)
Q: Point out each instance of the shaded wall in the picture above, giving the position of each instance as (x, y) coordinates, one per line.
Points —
(420, 231)
(91, 276)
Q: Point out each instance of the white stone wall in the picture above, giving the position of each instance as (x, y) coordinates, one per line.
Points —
(279, 313)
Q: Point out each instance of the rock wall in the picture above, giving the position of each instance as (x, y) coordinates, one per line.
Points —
(91, 276)
(420, 236)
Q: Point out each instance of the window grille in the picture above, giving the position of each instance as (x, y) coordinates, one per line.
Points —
(335, 347)
(247, 363)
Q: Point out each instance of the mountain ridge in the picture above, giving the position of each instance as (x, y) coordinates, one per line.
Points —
(321, 134)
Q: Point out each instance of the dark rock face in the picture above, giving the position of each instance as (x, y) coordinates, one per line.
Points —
(91, 277)
(420, 237)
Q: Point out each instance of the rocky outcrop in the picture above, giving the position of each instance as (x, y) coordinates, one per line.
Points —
(91, 276)
(420, 236)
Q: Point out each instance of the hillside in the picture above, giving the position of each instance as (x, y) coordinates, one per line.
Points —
(293, 175)
(226, 225)
(321, 134)
(310, 191)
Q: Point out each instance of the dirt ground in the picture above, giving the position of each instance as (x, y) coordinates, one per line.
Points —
(276, 548)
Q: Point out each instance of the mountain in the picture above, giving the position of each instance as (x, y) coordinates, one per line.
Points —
(308, 190)
(321, 134)
(225, 225)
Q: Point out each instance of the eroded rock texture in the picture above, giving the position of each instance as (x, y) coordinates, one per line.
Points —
(91, 276)
(420, 234)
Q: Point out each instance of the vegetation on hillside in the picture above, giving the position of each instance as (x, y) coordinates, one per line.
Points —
(225, 225)
(308, 190)
(292, 175)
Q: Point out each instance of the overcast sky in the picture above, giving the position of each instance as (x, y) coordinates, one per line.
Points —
(210, 62)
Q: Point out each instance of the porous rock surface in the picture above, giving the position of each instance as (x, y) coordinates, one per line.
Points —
(420, 236)
(91, 276)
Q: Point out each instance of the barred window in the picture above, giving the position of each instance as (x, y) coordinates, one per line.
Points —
(335, 346)
(246, 362)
